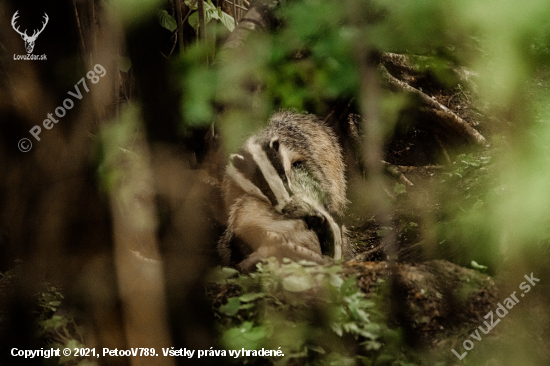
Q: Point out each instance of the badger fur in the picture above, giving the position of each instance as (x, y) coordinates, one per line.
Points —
(306, 140)
(281, 190)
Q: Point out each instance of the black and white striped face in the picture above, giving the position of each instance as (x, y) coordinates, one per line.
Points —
(259, 170)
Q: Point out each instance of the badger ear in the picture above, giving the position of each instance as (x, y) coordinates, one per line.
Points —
(235, 159)
(274, 143)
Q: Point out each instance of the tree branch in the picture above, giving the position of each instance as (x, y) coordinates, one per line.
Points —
(445, 116)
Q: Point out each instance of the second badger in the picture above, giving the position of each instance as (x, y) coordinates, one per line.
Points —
(281, 191)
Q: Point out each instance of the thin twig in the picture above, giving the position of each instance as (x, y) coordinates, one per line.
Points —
(443, 150)
(175, 42)
(79, 27)
(451, 98)
(362, 257)
(412, 168)
(235, 5)
(373, 145)
(395, 172)
(179, 21)
(187, 16)
(202, 21)
(444, 114)
(235, 13)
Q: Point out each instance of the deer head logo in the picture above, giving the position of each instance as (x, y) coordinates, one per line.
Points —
(29, 40)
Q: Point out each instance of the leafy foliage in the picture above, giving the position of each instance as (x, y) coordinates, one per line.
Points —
(167, 21)
(59, 330)
(311, 312)
(314, 61)
(211, 12)
(467, 163)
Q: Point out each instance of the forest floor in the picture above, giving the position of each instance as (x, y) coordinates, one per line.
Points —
(439, 303)
(442, 302)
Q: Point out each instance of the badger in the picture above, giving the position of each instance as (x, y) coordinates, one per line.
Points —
(257, 230)
(281, 191)
(306, 204)
(262, 166)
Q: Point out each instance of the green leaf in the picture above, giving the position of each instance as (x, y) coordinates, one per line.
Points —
(73, 343)
(243, 336)
(209, 15)
(350, 290)
(373, 328)
(192, 4)
(372, 345)
(232, 306)
(228, 21)
(221, 274)
(359, 314)
(124, 64)
(167, 21)
(251, 296)
(55, 322)
(294, 283)
(208, 5)
(255, 333)
(317, 349)
(336, 280)
(194, 18)
(211, 12)
(478, 266)
(399, 188)
(249, 305)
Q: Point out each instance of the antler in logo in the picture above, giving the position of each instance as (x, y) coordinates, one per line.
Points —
(29, 40)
